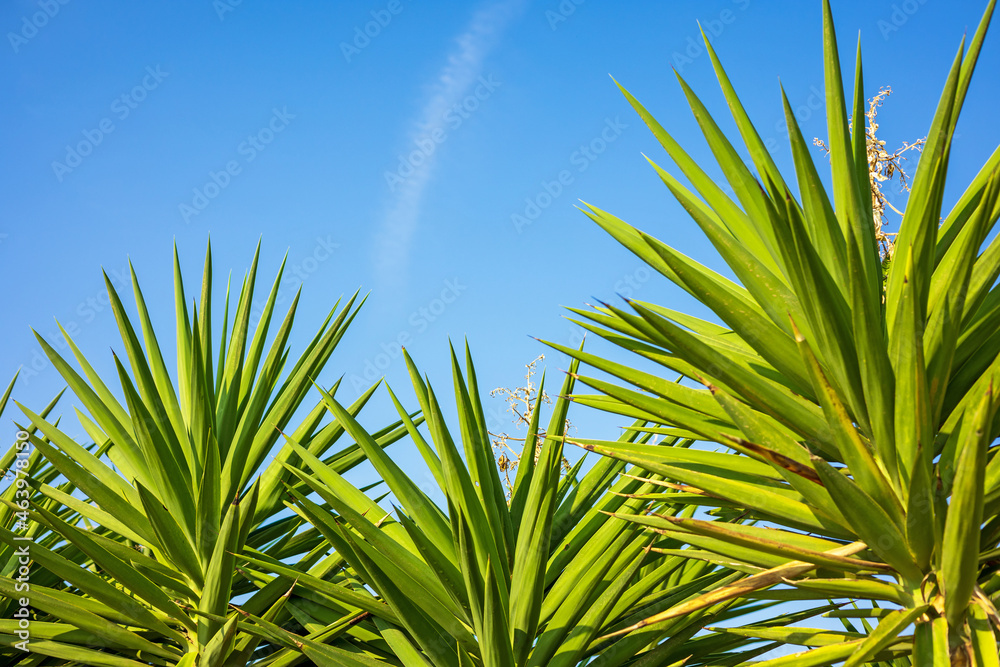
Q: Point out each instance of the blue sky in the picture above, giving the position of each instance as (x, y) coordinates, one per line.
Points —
(431, 152)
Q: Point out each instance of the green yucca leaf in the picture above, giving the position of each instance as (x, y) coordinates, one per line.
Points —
(736, 220)
(958, 216)
(729, 591)
(157, 419)
(289, 397)
(320, 653)
(913, 420)
(584, 496)
(123, 570)
(796, 413)
(95, 587)
(85, 620)
(959, 561)
(318, 440)
(495, 637)
(757, 493)
(854, 452)
(408, 572)
(125, 445)
(871, 522)
(429, 635)
(864, 276)
(107, 487)
(850, 207)
(73, 655)
(885, 635)
(445, 566)
(7, 391)
(819, 219)
(931, 643)
(534, 529)
(859, 142)
(984, 641)
(172, 483)
(758, 151)
(798, 636)
(221, 644)
(592, 534)
(862, 589)
(684, 414)
(172, 539)
(941, 336)
(819, 657)
(203, 323)
(791, 546)
(402, 648)
(329, 484)
(746, 187)
(483, 472)
(776, 447)
(585, 631)
(967, 204)
(918, 229)
(431, 520)
(561, 618)
(218, 583)
(108, 399)
(340, 593)
(923, 525)
(769, 341)
(491, 474)
(462, 492)
(773, 295)
(825, 317)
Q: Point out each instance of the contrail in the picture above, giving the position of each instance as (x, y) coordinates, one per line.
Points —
(460, 75)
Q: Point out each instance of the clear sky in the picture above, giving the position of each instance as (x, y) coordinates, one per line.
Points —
(429, 151)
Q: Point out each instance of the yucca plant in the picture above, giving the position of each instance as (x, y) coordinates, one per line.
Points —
(541, 581)
(133, 536)
(858, 419)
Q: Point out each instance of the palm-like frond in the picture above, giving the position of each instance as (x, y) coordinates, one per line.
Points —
(860, 419)
(134, 538)
(542, 581)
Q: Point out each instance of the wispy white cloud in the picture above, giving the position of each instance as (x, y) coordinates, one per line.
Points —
(460, 75)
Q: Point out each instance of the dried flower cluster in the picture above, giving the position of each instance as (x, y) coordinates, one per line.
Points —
(882, 167)
(521, 402)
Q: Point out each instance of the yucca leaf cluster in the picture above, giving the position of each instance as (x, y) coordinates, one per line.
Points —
(857, 411)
